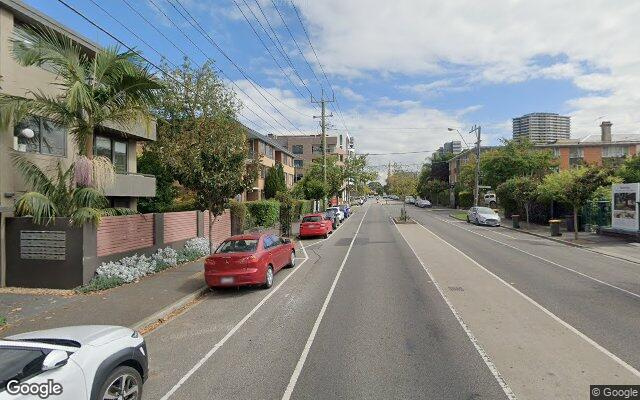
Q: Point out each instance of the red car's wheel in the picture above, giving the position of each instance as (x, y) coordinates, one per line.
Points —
(268, 279)
(292, 260)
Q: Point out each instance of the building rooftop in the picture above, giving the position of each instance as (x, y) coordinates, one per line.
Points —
(251, 134)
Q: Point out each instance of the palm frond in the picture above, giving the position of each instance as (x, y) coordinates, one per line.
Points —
(111, 212)
(34, 177)
(36, 205)
(89, 197)
(85, 214)
(12, 109)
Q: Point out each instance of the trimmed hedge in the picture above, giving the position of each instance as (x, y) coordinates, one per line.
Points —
(263, 213)
(301, 207)
(465, 199)
(238, 212)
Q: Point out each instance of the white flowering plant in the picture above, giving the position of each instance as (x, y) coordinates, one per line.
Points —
(132, 268)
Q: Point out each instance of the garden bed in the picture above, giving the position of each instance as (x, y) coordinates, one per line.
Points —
(131, 269)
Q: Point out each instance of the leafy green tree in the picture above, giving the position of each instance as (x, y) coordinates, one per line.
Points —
(111, 87)
(525, 192)
(271, 182)
(59, 196)
(150, 162)
(376, 187)
(573, 187)
(402, 184)
(335, 175)
(515, 158)
(356, 174)
(314, 189)
(202, 141)
(629, 171)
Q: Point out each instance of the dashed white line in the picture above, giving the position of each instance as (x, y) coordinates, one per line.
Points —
(305, 352)
(483, 354)
(543, 309)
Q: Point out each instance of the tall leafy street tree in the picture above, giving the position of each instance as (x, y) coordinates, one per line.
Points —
(573, 187)
(402, 183)
(335, 176)
(274, 181)
(201, 139)
(108, 87)
(629, 171)
(357, 175)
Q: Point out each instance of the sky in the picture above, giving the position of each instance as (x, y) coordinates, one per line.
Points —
(401, 72)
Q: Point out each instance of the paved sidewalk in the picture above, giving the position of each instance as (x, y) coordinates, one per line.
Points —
(125, 305)
(608, 245)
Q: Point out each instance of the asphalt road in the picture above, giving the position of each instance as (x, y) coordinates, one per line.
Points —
(358, 318)
(597, 295)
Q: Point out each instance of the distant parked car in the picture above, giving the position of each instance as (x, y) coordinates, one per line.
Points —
(490, 200)
(483, 216)
(315, 225)
(409, 200)
(85, 362)
(338, 212)
(422, 203)
(332, 216)
(251, 259)
(345, 209)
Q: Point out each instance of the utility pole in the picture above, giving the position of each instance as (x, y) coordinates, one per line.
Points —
(476, 189)
(323, 125)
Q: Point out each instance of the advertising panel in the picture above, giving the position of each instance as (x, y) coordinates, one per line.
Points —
(624, 214)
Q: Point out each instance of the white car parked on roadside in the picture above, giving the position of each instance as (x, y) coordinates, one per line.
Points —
(93, 362)
(483, 216)
(423, 203)
(339, 212)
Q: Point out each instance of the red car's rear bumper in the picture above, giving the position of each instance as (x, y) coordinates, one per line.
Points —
(313, 231)
(248, 276)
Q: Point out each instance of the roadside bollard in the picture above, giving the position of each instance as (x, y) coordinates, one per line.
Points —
(554, 224)
(515, 218)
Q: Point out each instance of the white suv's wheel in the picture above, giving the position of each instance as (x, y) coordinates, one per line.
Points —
(123, 383)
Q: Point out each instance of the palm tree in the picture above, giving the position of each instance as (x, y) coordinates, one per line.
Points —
(60, 196)
(108, 87)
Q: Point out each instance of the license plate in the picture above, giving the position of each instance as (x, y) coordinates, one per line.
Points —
(226, 280)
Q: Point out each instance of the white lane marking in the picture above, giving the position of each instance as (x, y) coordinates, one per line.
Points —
(547, 261)
(543, 309)
(483, 354)
(314, 330)
(232, 331)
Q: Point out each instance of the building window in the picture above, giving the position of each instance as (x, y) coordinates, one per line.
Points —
(341, 140)
(614, 151)
(331, 149)
(316, 149)
(556, 152)
(114, 150)
(298, 163)
(298, 177)
(576, 152)
(297, 149)
(47, 137)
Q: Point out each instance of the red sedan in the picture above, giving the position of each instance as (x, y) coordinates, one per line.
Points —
(315, 225)
(251, 259)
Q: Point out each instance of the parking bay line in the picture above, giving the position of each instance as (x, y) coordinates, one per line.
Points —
(233, 330)
(305, 352)
(570, 327)
(636, 295)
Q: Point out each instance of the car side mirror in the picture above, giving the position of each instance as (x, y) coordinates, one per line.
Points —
(55, 359)
(286, 240)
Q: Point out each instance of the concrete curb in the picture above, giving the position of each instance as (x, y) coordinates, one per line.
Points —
(604, 253)
(169, 309)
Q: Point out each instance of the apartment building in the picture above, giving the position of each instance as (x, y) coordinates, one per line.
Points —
(604, 148)
(306, 148)
(47, 144)
(270, 152)
(453, 147)
(542, 127)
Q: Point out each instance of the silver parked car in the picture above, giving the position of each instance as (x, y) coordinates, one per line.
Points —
(423, 203)
(483, 216)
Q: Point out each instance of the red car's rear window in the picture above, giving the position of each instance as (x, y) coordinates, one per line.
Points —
(314, 218)
(238, 246)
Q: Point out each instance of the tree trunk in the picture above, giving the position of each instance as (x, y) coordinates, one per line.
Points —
(526, 210)
(212, 219)
(575, 222)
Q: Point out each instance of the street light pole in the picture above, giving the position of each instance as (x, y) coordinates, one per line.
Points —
(476, 189)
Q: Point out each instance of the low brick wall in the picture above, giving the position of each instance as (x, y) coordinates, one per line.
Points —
(124, 233)
(221, 227)
(180, 226)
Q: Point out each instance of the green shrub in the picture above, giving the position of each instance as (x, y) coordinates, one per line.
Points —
(100, 283)
(286, 212)
(263, 213)
(300, 208)
(465, 198)
(238, 214)
(3, 320)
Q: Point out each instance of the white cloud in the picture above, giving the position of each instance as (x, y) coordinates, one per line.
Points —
(348, 93)
(497, 41)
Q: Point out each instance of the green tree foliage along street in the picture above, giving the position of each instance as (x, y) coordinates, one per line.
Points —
(629, 171)
(201, 140)
(357, 175)
(515, 158)
(274, 181)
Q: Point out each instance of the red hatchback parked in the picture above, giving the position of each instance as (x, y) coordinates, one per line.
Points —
(315, 225)
(251, 259)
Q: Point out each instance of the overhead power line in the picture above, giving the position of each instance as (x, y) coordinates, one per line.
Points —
(251, 81)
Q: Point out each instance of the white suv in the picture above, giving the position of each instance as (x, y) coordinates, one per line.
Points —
(338, 212)
(74, 363)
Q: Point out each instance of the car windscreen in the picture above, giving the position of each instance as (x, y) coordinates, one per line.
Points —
(19, 363)
(329, 213)
(485, 210)
(238, 246)
(315, 218)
